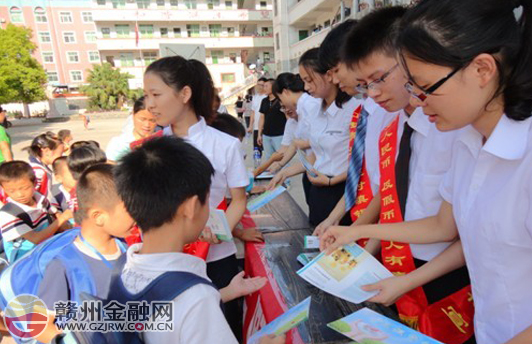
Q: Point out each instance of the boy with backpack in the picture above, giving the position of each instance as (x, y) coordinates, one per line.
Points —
(27, 218)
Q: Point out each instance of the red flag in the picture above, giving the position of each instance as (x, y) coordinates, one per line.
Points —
(137, 34)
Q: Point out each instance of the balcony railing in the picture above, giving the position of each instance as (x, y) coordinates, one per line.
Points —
(127, 15)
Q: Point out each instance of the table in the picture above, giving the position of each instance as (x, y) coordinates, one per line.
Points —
(286, 225)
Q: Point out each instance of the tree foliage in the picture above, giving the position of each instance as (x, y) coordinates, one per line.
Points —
(22, 78)
(108, 88)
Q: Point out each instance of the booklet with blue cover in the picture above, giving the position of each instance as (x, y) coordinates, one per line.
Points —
(259, 202)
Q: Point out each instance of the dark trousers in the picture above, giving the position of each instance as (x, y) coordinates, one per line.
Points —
(247, 119)
(255, 143)
(221, 272)
(322, 200)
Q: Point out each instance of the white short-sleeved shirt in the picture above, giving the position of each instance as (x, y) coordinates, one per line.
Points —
(307, 108)
(289, 132)
(329, 137)
(197, 316)
(378, 119)
(255, 106)
(223, 151)
(119, 146)
(490, 189)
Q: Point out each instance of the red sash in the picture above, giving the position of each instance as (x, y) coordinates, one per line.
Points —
(364, 193)
(449, 320)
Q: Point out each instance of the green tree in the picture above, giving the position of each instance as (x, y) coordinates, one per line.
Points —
(108, 88)
(22, 78)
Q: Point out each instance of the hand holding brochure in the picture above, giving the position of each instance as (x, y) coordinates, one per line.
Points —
(218, 224)
(367, 326)
(285, 322)
(265, 175)
(265, 198)
(308, 166)
(344, 272)
(311, 242)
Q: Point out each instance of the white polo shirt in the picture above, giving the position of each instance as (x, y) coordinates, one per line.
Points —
(255, 106)
(192, 310)
(329, 137)
(289, 132)
(490, 189)
(223, 151)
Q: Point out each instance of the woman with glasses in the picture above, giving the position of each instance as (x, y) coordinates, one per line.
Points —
(469, 65)
(412, 159)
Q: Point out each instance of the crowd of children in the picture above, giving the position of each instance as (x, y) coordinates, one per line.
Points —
(417, 124)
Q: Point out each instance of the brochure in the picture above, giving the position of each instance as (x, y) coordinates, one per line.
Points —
(344, 272)
(218, 224)
(265, 175)
(285, 322)
(308, 166)
(311, 241)
(265, 198)
(305, 258)
(367, 326)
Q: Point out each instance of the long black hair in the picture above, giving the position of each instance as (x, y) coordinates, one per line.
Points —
(329, 53)
(452, 33)
(178, 72)
(310, 61)
(288, 81)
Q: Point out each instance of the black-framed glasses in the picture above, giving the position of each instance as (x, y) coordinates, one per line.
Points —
(409, 86)
(372, 85)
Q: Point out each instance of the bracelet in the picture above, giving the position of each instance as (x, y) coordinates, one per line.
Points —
(329, 181)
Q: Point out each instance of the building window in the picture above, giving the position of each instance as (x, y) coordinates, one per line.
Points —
(193, 30)
(72, 57)
(40, 15)
(44, 37)
(100, 2)
(174, 4)
(126, 60)
(217, 56)
(191, 4)
(65, 17)
(327, 23)
(106, 32)
(177, 32)
(211, 4)
(228, 78)
(215, 30)
(48, 57)
(265, 31)
(143, 3)
(146, 31)
(160, 3)
(229, 4)
(76, 76)
(52, 76)
(267, 56)
(149, 57)
(118, 3)
(110, 60)
(69, 37)
(232, 57)
(263, 5)
(94, 57)
(303, 34)
(90, 36)
(164, 32)
(87, 17)
(122, 30)
(16, 15)
(231, 31)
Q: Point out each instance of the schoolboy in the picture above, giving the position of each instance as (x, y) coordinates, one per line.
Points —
(173, 217)
(65, 184)
(27, 218)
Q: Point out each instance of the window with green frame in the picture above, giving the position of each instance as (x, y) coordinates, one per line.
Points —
(149, 57)
(213, 3)
(146, 31)
(143, 4)
(126, 60)
(215, 29)
(193, 30)
(217, 56)
(16, 15)
(106, 32)
(174, 4)
(228, 78)
(191, 4)
(118, 3)
(122, 30)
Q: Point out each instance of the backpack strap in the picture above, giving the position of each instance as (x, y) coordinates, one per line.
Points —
(79, 275)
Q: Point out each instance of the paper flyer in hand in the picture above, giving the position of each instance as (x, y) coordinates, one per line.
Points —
(311, 241)
(305, 258)
(344, 272)
(306, 164)
(265, 198)
(367, 326)
(265, 175)
(218, 224)
(285, 322)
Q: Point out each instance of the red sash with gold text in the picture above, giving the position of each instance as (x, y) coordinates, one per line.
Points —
(449, 320)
